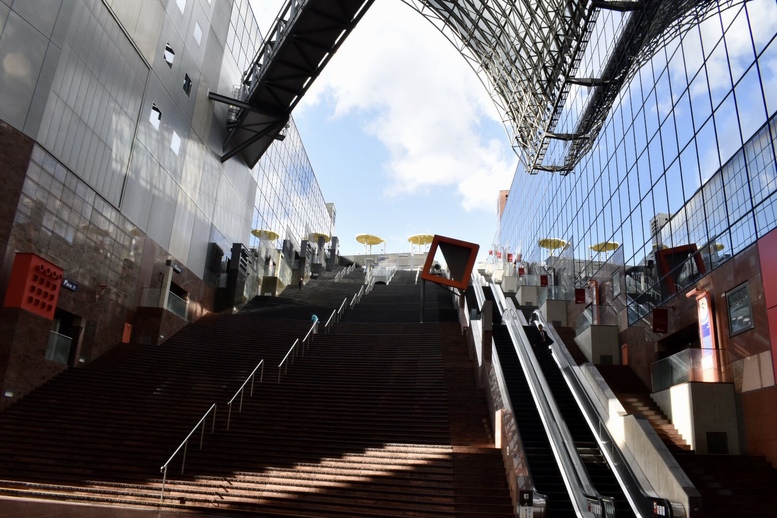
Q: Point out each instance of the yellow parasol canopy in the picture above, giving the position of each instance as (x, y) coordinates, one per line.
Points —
(552, 243)
(262, 233)
(604, 246)
(421, 239)
(369, 239)
(315, 236)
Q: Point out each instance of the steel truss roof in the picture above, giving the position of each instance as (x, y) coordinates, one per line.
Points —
(527, 54)
(302, 40)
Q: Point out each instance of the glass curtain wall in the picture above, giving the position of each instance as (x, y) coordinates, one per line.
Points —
(289, 202)
(682, 175)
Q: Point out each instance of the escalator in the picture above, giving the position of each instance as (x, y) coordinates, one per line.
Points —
(545, 472)
(595, 463)
(574, 461)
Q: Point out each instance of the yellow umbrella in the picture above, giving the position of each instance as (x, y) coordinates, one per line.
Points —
(421, 239)
(552, 243)
(315, 236)
(369, 240)
(605, 246)
(262, 233)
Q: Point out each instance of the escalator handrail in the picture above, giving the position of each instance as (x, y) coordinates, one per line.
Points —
(478, 288)
(539, 500)
(644, 501)
(584, 496)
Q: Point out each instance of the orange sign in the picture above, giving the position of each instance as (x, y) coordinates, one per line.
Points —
(34, 285)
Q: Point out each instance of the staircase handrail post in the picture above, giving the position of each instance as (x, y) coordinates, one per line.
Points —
(241, 391)
(341, 310)
(164, 479)
(309, 337)
(330, 321)
(185, 445)
(284, 364)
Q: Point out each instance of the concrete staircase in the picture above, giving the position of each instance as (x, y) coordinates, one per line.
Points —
(376, 419)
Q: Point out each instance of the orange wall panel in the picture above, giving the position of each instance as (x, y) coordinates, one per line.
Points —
(767, 253)
(34, 285)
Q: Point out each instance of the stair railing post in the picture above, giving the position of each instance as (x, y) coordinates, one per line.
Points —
(183, 460)
(423, 289)
(164, 479)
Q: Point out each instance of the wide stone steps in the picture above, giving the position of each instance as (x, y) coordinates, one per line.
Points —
(372, 420)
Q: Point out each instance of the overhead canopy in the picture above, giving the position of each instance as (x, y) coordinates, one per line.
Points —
(315, 236)
(421, 239)
(262, 233)
(552, 243)
(604, 246)
(369, 239)
(295, 50)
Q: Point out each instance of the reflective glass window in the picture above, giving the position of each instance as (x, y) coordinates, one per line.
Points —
(715, 205)
(689, 165)
(736, 188)
(766, 215)
(727, 126)
(750, 103)
(742, 234)
(762, 32)
(674, 187)
(761, 166)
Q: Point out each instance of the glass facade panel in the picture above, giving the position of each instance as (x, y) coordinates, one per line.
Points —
(668, 170)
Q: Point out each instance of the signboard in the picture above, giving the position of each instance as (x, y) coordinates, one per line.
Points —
(543, 280)
(660, 320)
(69, 285)
(706, 323)
(616, 283)
(740, 314)
(579, 295)
(526, 505)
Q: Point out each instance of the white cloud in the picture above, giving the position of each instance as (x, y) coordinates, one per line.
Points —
(421, 100)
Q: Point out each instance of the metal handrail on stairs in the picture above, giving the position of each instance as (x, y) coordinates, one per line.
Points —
(283, 361)
(240, 391)
(184, 445)
(294, 351)
(357, 297)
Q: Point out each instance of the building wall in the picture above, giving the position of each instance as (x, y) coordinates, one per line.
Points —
(110, 157)
(684, 171)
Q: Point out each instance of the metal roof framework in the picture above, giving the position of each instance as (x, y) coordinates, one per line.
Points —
(300, 43)
(526, 53)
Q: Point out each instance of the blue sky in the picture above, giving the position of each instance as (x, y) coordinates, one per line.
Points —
(402, 136)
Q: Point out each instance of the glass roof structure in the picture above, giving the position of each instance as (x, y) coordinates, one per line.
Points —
(527, 54)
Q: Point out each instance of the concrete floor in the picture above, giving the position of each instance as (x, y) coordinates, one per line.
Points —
(26, 508)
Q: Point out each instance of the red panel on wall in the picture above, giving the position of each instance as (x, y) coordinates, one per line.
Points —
(34, 285)
(767, 252)
(660, 320)
(771, 314)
